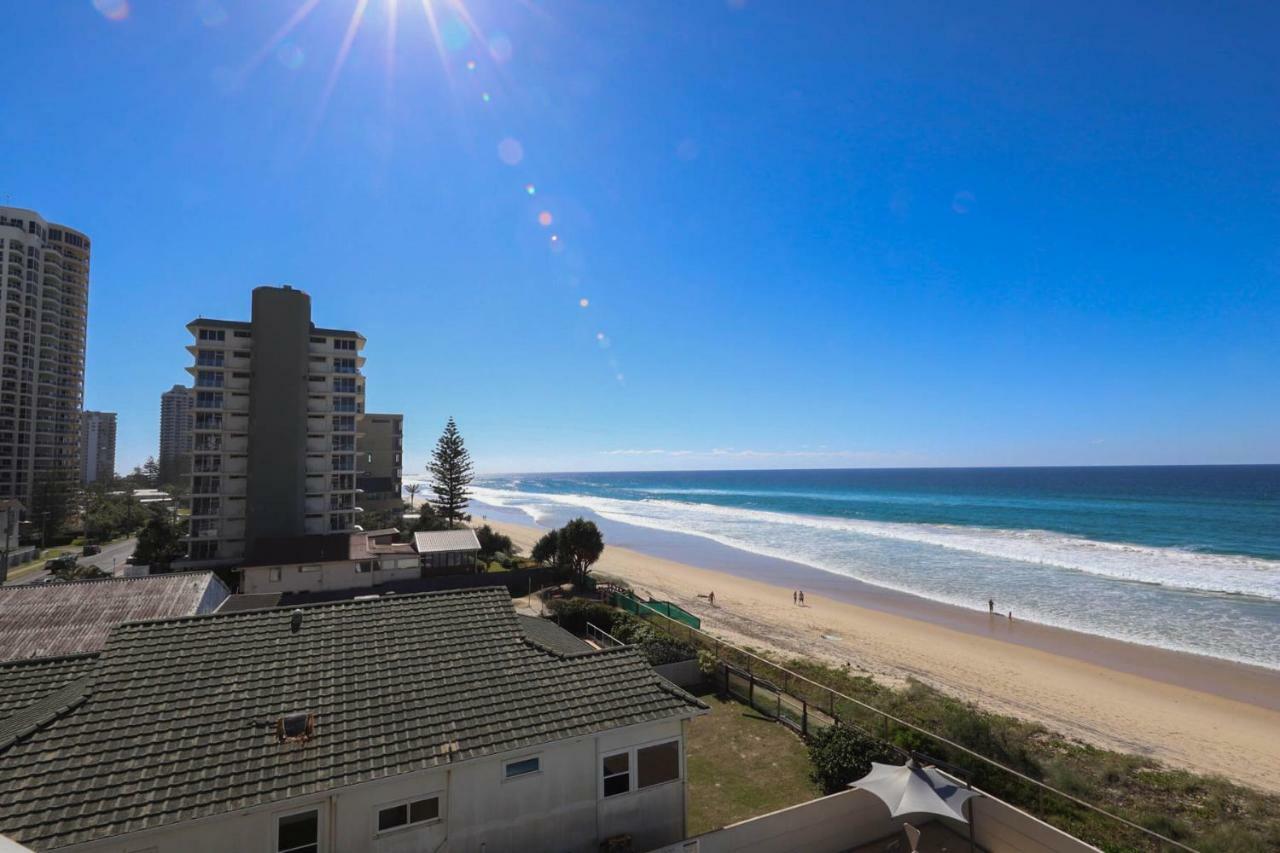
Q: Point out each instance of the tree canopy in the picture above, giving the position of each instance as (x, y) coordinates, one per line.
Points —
(451, 474)
(159, 541)
(492, 542)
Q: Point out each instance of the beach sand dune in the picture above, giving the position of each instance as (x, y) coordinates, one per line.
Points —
(1159, 717)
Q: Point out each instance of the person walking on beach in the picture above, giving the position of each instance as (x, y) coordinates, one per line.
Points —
(795, 596)
(1010, 615)
(802, 598)
(711, 598)
(991, 606)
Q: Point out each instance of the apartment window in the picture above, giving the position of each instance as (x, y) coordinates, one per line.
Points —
(212, 335)
(344, 423)
(342, 482)
(206, 485)
(344, 365)
(344, 442)
(299, 833)
(209, 358)
(273, 574)
(617, 774)
(408, 814)
(344, 385)
(344, 343)
(209, 379)
(364, 567)
(207, 442)
(208, 420)
(344, 404)
(521, 767)
(208, 400)
(205, 506)
(240, 334)
(640, 768)
(240, 353)
(308, 568)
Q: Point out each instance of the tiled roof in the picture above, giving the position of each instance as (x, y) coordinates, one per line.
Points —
(549, 635)
(25, 682)
(425, 542)
(50, 619)
(177, 719)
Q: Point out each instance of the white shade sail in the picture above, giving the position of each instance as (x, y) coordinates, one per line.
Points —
(913, 789)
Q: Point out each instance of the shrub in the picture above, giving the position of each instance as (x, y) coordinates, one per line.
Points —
(573, 614)
(841, 755)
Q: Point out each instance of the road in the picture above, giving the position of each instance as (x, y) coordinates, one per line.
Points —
(112, 559)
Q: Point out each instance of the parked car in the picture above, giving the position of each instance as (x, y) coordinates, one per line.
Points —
(90, 550)
(66, 561)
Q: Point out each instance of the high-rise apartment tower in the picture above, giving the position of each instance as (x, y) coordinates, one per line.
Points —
(44, 268)
(97, 447)
(274, 412)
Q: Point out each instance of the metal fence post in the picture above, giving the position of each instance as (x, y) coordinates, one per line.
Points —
(751, 689)
(804, 718)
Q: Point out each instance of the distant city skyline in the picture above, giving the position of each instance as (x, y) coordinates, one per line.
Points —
(723, 236)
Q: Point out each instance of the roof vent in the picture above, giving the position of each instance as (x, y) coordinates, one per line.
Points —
(298, 727)
(295, 621)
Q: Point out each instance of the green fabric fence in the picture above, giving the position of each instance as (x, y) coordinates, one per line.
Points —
(666, 608)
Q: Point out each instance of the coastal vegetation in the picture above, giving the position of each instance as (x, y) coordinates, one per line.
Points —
(451, 474)
(575, 547)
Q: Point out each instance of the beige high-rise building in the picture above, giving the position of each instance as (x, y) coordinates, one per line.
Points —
(174, 457)
(45, 272)
(273, 451)
(381, 447)
(97, 447)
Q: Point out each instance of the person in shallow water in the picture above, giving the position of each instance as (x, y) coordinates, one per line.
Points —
(991, 606)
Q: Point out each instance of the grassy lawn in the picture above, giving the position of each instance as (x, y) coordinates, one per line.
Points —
(741, 765)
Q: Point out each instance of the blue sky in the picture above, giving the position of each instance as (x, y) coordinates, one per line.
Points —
(807, 234)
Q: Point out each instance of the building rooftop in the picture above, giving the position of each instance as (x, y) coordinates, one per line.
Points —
(52, 619)
(212, 323)
(177, 719)
(249, 601)
(430, 541)
(549, 635)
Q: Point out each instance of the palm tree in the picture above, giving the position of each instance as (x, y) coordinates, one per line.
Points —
(412, 490)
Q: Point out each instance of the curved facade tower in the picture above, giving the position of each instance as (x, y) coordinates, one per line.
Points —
(44, 268)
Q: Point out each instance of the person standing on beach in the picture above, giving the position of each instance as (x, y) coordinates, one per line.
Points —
(795, 596)
(711, 598)
(802, 598)
(1010, 615)
(991, 606)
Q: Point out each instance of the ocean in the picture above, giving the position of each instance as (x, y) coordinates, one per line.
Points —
(1184, 558)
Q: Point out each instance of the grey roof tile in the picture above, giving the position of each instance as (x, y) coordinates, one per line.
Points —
(397, 684)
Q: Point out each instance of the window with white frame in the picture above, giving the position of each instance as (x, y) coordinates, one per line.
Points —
(521, 767)
(639, 768)
(298, 833)
(273, 574)
(408, 813)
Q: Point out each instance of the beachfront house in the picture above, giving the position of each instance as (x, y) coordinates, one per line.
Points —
(447, 552)
(402, 723)
(326, 562)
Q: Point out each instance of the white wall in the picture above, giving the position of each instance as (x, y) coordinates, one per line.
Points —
(559, 808)
(330, 576)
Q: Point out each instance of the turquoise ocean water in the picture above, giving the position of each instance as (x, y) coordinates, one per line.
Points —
(1184, 558)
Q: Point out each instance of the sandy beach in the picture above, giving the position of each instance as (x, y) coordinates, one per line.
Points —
(1198, 713)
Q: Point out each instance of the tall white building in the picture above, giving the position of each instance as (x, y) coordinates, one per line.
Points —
(97, 446)
(273, 453)
(45, 272)
(174, 457)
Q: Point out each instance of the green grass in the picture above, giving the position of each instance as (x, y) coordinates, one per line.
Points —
(742, 765)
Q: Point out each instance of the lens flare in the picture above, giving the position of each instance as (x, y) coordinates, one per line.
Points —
(471, 65)
(545, 218)
(112, 10)
(484, 96)
(583, 302)
(530, 189)
(500, 48)
(510, 151)
(290, 56)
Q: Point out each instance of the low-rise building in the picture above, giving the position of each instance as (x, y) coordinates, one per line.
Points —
(52, 619)
(404, 723)
(339, 561)
(445, 552)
